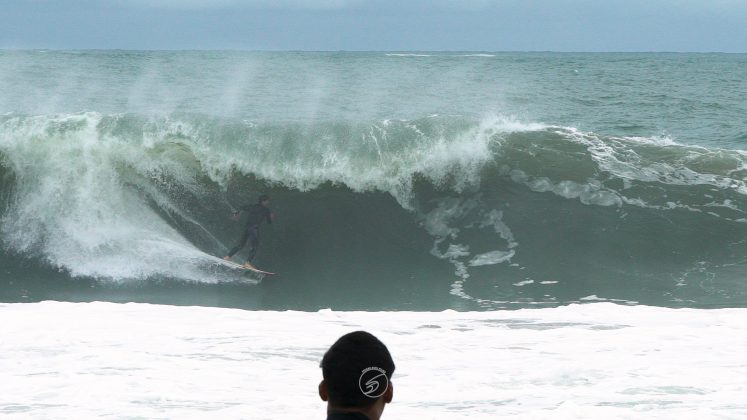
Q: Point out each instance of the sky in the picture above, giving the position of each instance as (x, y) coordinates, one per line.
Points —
(377, 25)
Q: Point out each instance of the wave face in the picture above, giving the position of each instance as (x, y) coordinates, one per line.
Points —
(400, 181)
(491, 212)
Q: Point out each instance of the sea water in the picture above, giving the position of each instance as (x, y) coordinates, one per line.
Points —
(483, 183)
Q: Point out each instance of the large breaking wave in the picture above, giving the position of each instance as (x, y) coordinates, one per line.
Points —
(495, 210)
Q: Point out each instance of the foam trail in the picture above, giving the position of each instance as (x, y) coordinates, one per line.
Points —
(74, 209)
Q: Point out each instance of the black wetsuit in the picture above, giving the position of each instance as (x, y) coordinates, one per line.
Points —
(346, 416)
(257, 214)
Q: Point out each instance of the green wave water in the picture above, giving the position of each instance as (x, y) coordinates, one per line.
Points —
(414, 182)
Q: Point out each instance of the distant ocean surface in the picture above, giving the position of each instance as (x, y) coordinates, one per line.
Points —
(534, 235)
(401, 181)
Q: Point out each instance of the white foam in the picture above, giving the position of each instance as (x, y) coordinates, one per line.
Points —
(645, 165)
(445, 222)
(590, 193)
(620, 156)
(524, 283)
(491, 258)
(93, 360)
(71, 204)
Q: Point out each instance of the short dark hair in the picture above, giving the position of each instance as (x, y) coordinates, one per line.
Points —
(345, 363)
(262, 198)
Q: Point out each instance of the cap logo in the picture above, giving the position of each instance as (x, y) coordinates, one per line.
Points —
(373, 382)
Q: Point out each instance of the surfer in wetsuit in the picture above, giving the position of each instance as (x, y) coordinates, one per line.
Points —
(257, 214)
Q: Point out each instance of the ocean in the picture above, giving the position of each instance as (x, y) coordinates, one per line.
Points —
(549, 200)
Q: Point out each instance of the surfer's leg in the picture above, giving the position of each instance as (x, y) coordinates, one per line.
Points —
(239, 245)
(254, 243)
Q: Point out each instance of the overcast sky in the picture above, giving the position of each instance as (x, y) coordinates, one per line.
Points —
(383, 25)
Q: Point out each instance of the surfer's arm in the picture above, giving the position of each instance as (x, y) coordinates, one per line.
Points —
(238, 211)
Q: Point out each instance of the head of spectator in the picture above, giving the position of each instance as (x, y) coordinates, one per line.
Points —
(357, 372)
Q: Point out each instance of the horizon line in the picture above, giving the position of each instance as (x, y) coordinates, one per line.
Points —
(365, 51)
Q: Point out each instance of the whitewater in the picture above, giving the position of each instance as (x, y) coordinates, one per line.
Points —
(574, 362)
(533, 235)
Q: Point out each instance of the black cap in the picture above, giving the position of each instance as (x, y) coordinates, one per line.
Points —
(357, 370)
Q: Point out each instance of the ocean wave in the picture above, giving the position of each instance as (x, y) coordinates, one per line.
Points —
(500, 201)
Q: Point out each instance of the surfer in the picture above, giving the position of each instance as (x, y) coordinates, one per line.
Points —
(257, 214)
(357, 372)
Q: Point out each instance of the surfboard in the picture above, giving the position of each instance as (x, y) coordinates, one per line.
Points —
(237, 266)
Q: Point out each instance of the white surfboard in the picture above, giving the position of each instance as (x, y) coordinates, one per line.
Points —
(237, 266)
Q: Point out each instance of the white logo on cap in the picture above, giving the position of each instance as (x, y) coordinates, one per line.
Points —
(370, 382)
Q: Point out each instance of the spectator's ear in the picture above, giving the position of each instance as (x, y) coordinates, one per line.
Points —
(323, 394)
(389, 394)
